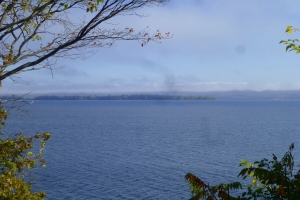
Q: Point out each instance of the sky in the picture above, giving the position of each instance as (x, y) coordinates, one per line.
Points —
(216, 45)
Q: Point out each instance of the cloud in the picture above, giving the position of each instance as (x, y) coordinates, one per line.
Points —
(68, 72)
(170, 84)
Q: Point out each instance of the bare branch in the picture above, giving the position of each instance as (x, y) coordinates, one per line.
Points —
(22, 24)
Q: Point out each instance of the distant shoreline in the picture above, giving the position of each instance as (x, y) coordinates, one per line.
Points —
(125, 97)
(234, 94)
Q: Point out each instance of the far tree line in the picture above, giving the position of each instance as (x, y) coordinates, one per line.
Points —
(125, 97)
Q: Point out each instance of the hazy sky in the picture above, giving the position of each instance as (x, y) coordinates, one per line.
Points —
(216, 45)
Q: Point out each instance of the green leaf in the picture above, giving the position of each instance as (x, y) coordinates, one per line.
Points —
(29, 153)
(245, 163)
(289, 29)
(288, 46)
(243, 172)
(282, 41)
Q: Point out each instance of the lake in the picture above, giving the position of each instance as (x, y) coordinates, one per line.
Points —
(143, 149)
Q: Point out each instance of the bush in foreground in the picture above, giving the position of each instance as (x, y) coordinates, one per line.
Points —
(16, 159)
(271, 179)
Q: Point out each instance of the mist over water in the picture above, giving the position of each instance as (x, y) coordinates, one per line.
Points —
(143, 149)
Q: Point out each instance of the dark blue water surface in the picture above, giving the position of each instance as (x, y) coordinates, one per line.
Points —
(143, 149)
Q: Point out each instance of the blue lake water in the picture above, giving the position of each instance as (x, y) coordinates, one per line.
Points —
(143, 149)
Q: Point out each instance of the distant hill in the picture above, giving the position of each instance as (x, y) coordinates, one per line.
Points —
(250, 94)
(173, 95)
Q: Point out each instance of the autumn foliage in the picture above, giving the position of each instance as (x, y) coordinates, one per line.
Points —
(291, 44)
(271, 179)
(16, 159)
